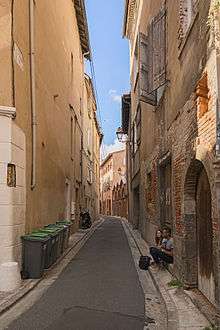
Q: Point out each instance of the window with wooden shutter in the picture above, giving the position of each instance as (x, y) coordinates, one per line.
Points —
(145, 73)
(132, 140)
(135, 66)
(159, 49)
(138, 126)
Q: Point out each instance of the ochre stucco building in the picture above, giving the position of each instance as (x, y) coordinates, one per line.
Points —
(112, 172)
(173, 130)
(92, 138)
(43, 46)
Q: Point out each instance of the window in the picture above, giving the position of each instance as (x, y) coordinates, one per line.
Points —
(145, 74)
(152, 59)
(135, 65)
(138, 125)
(136, 131)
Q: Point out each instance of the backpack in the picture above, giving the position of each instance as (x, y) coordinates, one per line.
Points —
(144, 262)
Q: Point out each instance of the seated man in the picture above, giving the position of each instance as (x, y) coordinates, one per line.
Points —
(165, 252)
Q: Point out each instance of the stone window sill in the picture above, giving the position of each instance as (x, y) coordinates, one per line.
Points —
(187, 34)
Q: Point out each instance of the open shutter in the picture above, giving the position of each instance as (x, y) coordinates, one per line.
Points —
(159, 49)
(145, 73)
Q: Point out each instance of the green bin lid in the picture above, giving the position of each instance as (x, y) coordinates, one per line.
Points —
(39, 234)
(35, 237)
(53, 227)
(51, 233)
(64, 222)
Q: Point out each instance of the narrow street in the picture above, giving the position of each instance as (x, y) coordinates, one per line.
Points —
(99, 289)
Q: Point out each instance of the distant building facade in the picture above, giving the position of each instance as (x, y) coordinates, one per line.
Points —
(92, 137)
(120, 199)
(112, 172)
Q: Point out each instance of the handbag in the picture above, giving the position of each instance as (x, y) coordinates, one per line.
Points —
(144, 262)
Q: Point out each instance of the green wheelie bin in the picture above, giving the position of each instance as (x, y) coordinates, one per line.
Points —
(53, 253)
(67, 225)
(34, 248)
(60, 232)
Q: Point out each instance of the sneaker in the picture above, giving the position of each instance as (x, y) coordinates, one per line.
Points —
(155, 266)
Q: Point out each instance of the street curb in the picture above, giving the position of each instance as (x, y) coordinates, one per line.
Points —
(27, 287)
(172, 314)
(177, 302)
(143, 278)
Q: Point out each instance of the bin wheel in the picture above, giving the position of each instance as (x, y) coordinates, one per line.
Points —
(24, 275)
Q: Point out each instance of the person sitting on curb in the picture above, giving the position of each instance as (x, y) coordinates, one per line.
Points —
(164, 253)
(158, 238)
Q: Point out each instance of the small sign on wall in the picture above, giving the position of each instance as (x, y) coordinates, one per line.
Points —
(11, 175)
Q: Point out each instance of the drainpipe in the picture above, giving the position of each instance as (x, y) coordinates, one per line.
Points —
(12, 53)
(33, 94)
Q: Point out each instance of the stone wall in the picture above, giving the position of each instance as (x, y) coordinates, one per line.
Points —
(181, 129)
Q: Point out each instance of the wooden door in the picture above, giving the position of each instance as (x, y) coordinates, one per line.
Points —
(168, 203)
(204, 237)
(166, 194)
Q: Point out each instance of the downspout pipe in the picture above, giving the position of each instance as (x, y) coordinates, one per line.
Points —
(33, 92)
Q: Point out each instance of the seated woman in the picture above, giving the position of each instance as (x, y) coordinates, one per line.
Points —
(158, 238)
(163, 253)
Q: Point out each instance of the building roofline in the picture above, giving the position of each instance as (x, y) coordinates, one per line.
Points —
(110, 155)
(83, 27)
(99, 130)
(125, 18)
(128, 17)
(106, 159)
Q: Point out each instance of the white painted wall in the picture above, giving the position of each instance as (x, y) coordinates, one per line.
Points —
(12, 199)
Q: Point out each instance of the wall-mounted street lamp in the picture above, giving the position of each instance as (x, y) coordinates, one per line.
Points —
(122, 137)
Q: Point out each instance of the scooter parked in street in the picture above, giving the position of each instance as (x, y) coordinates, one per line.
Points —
(85, 220)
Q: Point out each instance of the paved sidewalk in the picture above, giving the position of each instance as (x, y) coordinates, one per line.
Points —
(182, 314)
(99, 289)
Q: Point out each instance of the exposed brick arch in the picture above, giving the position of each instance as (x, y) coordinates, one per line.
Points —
(190, 255)
(190, 186)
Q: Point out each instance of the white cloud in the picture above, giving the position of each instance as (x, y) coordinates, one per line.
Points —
(112, 91)
(114, 96)
(108, 148)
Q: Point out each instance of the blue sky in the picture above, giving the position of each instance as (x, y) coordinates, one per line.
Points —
(111, 60)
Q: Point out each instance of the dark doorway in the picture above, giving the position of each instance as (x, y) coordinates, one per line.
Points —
(198, 259)
(166, 194)
(136, 208)
(204, 236)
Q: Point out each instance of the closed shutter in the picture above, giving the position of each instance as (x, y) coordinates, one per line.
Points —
(138, 125)
(144, 72)
(132, 139)
(159, 49)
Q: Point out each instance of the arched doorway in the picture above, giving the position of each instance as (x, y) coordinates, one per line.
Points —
(198, 246)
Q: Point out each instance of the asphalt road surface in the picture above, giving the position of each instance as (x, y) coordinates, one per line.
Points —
(98, 290)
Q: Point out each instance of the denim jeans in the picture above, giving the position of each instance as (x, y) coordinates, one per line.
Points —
(159, 256)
